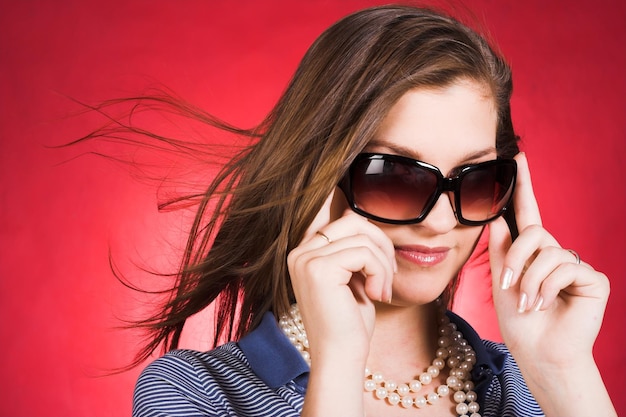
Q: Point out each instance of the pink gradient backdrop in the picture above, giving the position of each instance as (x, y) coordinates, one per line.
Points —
(59, 303)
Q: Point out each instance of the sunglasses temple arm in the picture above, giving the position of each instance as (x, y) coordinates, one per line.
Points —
(509, 217)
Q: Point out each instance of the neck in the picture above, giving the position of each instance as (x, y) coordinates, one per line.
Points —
(406, 334)
(395, 326)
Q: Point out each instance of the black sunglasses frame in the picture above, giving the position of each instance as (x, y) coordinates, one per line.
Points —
(444, 185)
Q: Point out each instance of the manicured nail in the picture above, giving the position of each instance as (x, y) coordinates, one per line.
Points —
(507, 276)
(389, 294)
(538, 304)
(521, 306)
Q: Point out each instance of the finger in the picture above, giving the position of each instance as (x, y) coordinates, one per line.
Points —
(524, 201)
(338, 268)
(499, 244)
(538, 273)
(322, 218)
(524, 250)
(362, 241)
(570, 279)
(351, 224)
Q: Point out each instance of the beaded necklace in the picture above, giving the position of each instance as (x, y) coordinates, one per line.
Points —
(453, 352)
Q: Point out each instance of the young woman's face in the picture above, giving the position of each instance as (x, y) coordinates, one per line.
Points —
(447, 128)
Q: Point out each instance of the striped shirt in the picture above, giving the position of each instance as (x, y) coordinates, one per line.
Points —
(264, 375)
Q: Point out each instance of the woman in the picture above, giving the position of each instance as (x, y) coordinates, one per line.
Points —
(344, 228)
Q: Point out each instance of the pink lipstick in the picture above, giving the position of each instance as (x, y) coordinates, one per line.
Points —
(423, 256)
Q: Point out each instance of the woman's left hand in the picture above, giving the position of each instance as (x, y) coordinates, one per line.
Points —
(549, 304)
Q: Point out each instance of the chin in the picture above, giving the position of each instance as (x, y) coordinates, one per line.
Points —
(414, 290)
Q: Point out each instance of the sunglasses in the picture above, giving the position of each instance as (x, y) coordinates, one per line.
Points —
(398, 190)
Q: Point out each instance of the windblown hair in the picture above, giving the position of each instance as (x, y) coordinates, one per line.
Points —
(260, 205)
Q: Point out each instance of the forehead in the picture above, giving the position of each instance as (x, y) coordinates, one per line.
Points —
(443, 126)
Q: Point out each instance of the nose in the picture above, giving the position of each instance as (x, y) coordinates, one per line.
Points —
(441, 218)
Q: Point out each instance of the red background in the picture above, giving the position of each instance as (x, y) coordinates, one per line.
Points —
(59, 303)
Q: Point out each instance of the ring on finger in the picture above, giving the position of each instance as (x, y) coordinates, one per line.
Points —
(324, 236)
(573, 252)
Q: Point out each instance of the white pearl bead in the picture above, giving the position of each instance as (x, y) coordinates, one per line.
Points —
(452, 382)
(442, 353)
(369, 385)
(378, 377)
(444, 341)
(461, 408)
(393, 398)
(459, 397)
(432, 398)
(425, 378)
(473, 407)
(475, 415)
(415, 385)
(420, 402)
(439, 363)
(381, 393)
(407, 402)
(390, 385)
(471, 396)
(443, 390)
(433, 371)
(403, 389)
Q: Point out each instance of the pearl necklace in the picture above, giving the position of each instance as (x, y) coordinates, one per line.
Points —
(453, 351)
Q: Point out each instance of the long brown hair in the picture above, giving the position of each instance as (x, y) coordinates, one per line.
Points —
(260, 204)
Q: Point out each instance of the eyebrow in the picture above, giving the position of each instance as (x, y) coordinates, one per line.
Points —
(412, 153)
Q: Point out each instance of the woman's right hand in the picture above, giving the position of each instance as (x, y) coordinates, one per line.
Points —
(338, 270)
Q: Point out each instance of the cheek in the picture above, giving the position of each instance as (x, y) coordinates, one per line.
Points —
(469, 240)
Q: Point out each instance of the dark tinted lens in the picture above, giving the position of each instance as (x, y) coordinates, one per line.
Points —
(485, 191)
(390, 189)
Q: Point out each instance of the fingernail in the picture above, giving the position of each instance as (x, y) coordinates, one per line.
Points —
(389, 293)
(538, 304)
(521, 306)
(507, 276)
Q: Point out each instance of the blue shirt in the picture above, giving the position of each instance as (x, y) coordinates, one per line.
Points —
(265, 375)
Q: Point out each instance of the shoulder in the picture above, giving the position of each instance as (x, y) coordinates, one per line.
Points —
(204, 365)
(189, 383)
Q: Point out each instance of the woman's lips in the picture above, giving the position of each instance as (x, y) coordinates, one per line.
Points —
(423, 255)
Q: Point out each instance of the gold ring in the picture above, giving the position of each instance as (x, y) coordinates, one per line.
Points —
(324, 236)
(573, 252)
